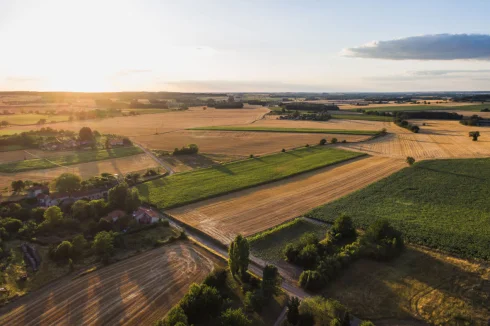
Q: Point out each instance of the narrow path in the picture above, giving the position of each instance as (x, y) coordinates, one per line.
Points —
(165, 165)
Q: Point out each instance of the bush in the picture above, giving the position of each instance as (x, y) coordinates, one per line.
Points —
(308, 256)
(64, 251)
(174, 317)
(410, 160)
(293, 312)
(189, 149)
(323, 141)
(11, 225)
(343, 226)
(283, 150)
(334, 140)
(254, 301)
(311, 280)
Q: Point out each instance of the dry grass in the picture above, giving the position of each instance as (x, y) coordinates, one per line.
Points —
(254, 210)
(238, 143)
(437, 139)
(419, 287)
(139, 290)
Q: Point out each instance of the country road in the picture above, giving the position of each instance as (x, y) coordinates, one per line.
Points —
(165, 165)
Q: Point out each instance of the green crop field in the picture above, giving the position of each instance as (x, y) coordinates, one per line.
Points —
(362, 117)
(75, 158)
(31, 118)
(443, 204)
(415, 107)
(188, 187)
(269, 244)
(291, 130)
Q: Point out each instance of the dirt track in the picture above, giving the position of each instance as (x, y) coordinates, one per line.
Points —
(137, 291)
(253, 210)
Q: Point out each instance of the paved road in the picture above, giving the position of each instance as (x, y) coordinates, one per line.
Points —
(165, 165)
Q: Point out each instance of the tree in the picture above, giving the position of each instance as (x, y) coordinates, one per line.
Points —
(17, 185)
(293, 312)
(323, 141)
(238, 253)
(270, 281)
(98, 208)
(234, 317)
(410, 160)
(343, 226)
(79, 244)
(474, 134)
(64, 251)
(81, 210)
(334, 140)
(4, 123)
(53, 216)
(85, 134)
(11, 225)
(201, 303)
(103, 244)
(68, 182)
(119, 195)
(174, 317)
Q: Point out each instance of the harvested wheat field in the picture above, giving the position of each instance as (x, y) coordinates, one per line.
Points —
(274, 121)
(254, 210)
(437, 139)
(20, 155)
(85, 170)
(136, 291)
(241, 143)
(149, 124)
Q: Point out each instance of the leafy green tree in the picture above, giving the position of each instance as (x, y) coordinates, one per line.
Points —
(334, 140)
(234, 317)
(174, 317)
(410, 160)
(311, 280)
(64, 251)
(323, 141)
(122, 197)
(133, 200)
(68, 182)
(238, 253)
(474, 134)
(343, 226)
(308, 256)
(103, 244)
(201, 303)
(293, 312)
(79, 244)
(98, 208)
(81, 210)
(85, 134)
(53, 216)
(17, 185)
(270, 281)
(11, 225)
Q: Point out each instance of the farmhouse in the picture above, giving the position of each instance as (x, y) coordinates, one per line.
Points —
(146, 216)
(34, 191)
(57, 198)
(115, 142)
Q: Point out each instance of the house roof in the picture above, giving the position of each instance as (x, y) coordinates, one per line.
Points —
(147, 211)
(33, 188)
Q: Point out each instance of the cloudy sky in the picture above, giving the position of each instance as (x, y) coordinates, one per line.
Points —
(267, 45)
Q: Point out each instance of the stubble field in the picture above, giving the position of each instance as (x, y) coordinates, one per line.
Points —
(136, 291)
(254, 210)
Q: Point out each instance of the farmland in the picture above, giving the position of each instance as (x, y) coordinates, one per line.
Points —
(259, 208)
(70, 159)
(362, 117)
(236, 143)
(436, 139)
(31, 119)
(420, 287)
(140, 290)
(442, 204)
(417, 107)
(139, 162)
(188, 187)
(269, 244)
(290, 130)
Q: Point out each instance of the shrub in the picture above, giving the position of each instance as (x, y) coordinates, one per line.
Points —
(311, 280)
(343, 226)
(11, 225)
(174, 317)
(323, 141)
(308, 256)
(104, 244)
(293, 312)
(254, 301)
(307, 145)
(283, 150)
(474, 134)
(410, 160)
(189, 149)
(270, 281)
(334, 140)
(64, 251)
(216, 279)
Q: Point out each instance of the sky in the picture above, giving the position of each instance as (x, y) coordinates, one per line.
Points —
(248, 46)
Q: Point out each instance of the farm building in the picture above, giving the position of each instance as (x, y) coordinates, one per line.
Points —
(34, 191)
(57, 198)
(146, 216)
(115, 142)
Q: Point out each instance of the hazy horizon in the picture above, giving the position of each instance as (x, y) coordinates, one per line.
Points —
(238, 46)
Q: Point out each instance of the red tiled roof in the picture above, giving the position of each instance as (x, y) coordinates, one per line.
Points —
(148, 212)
